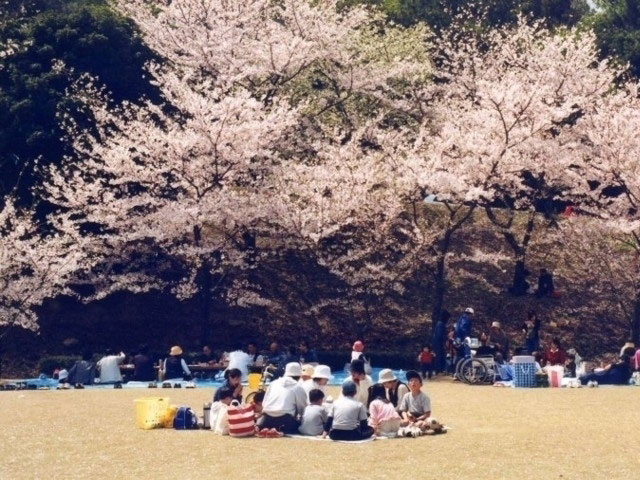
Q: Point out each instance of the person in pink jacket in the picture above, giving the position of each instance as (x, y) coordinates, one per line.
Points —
(383, 417)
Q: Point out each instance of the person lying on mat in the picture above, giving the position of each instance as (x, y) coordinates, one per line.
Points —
(617, 373)
(347, 417)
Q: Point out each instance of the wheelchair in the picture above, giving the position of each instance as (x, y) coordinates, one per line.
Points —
(476, 370)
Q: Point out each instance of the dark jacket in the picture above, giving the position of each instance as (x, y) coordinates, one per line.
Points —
(143, 368)
(83, 372)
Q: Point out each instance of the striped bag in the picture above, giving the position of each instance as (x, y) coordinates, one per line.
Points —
(241, 421)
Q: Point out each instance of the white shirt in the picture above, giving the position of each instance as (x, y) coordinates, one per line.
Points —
(240, 360)
(284, 396)
(109, 367)
(362, 389)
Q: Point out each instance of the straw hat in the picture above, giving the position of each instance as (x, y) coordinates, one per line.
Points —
(307, 370)
(469, 310)
(293, 369)
(495, 324)
(386, 375)
(175, 351)
(322, 371)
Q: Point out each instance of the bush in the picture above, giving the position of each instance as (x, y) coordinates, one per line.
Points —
(50, 362)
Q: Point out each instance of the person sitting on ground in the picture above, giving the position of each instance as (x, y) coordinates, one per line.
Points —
(554, 355)
(531, 330)
(284, 401)
(218, 415)
(545, 284)
(498, 339)
(83, 371)
(383, 417)
(485, 350)
(291, 355)
(174, 366)
(232, 380)
(426, 359)
(321, 376)
(257, 401)
(394, 388)
(617, 373)
(361, 380)
(570, 367)
(635, 360)
(347, 418)
(315, 415)
(143, 365)
(415, 406)
(109, 367)
(307, 373)
(207, 357)
(277, 359)
(256, 361)
(572, 355)
(306, 354)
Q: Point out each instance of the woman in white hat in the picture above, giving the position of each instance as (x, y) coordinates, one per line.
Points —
(174, 366)
(395, 388)
(320, 377)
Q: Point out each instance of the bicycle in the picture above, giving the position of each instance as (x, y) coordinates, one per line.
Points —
(266, 375)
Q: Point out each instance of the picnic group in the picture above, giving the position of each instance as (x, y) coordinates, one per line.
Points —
(294, 400)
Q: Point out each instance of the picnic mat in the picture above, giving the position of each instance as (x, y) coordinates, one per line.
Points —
(327, 439)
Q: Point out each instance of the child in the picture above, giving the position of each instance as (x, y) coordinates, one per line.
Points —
(425, 357)
(415, 406)
(383, 417)
(347, 417)
(315, 415)
(357, 350)
(218, 415)
(258, 398)
(233, 377)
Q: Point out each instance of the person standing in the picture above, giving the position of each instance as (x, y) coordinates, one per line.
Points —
(462, 330)
(439, 339)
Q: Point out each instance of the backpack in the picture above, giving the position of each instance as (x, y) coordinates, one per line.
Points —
(185, 419)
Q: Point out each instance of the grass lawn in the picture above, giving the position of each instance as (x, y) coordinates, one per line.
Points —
(496, 433)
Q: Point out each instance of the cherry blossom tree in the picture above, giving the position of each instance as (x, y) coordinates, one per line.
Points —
(251, 89)
(501, 128)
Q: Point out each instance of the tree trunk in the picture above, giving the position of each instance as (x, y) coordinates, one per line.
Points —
(635, 321)
(440, 279)
(205, 303)
(519, 285)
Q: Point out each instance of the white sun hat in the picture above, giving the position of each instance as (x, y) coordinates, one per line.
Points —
(322, 371)
(293, 369)
(386, 375)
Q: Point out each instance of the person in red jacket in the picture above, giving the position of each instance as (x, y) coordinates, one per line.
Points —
(554, 355)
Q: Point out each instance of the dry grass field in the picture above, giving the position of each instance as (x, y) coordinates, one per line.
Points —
(495, 433)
